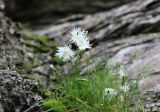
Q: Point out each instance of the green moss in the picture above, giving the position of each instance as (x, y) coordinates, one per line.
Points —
(37, 62)
(39, 44)
(44, 93)
(53, 104)
(27, 32)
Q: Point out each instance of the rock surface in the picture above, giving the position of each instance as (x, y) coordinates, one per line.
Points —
(143, 59)
(129, 33)
(141, 16)
(16, 93)
(46, 11)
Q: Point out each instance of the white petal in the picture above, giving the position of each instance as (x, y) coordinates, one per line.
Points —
(110, 91)
(65, 53)
(79, 37)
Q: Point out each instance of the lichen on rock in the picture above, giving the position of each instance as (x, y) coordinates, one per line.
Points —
(16, 93)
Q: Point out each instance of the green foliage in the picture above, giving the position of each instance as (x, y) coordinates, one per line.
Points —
(39, 44)
(85, 93)
(57, 60)
(54, 104)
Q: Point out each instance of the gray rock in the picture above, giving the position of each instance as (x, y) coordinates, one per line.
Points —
(49, 11)
(43, 69)
(142, 59)
(16, 92)
(1, 108)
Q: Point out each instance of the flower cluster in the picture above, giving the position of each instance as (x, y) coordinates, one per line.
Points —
(78, 37)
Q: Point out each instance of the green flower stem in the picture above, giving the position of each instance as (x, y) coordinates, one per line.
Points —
(75, 67)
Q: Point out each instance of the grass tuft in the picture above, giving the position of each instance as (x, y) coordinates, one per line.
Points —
(85, 93)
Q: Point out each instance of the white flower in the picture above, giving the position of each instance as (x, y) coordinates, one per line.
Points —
(77, 32)
(65, 53)
(124, 88)
(83, 44)
(79, 37)
(110, 91)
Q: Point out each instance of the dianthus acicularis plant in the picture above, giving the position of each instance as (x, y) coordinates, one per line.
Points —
(98, 90)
